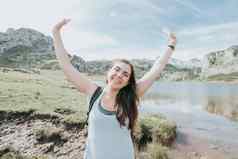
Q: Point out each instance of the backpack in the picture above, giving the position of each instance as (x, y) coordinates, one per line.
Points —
(94, 97)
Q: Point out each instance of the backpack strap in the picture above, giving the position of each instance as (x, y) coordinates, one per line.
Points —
(94, 97)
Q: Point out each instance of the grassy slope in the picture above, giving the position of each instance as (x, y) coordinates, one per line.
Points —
(224, 77)
(44, 92)
(50, 90)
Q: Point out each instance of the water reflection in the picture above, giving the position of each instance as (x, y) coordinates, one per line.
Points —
(209, 111)
(218, 99)
(226, 106)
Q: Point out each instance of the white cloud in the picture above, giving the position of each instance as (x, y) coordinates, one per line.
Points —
(40, 15)
(198, 41)
(196, 11)
(212, 29)
(111, 53)
(189, 52)
(132, 53)
(75, 40)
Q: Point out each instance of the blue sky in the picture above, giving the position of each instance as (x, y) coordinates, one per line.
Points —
(106, 29)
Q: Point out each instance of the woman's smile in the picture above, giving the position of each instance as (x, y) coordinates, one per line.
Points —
(116, 80)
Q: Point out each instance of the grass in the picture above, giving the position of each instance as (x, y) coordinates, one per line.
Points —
(224, 77)
(13, 155)
(10, 153)
(50, 94)
(156, 128)
(49, 134)
(45, 92)
(157, 151)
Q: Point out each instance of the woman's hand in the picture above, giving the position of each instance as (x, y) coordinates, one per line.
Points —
(172, 39)
(60, 24)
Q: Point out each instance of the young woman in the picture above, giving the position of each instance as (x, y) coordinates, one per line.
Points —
(113, 116)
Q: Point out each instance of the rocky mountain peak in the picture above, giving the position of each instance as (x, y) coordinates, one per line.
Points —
(24, 39)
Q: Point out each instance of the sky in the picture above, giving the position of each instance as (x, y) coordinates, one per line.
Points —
(107, 29)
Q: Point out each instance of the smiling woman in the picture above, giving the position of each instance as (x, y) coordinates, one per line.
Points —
(114, 113)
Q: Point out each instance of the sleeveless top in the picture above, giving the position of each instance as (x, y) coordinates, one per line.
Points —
(106, 139)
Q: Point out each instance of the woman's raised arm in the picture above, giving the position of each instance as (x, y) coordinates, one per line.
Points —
(80, 81)
(148, 79)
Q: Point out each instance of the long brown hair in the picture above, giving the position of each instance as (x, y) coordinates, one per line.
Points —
(127, 100)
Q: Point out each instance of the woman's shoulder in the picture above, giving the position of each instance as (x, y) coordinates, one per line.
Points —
(95, 94)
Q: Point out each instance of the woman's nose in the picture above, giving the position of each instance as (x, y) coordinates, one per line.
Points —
(119, 74)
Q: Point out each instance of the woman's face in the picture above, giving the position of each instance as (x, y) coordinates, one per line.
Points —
(118, 76)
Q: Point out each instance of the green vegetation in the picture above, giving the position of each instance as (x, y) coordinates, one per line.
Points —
(157, 151)
(25, 59)
(44, 93)
(156, 134)
(49, 134)
(157, 129)
(10, 153)
(224, 77)
(47, 95)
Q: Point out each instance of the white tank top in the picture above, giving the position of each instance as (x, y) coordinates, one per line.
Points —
(106, 139)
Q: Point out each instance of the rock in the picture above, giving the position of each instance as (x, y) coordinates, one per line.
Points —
(141, 66)
(5, 69)
(22, 70)
(79, 63)
(190, 64)
(29, 49)
(221, 63)
(98, 67)
(47, 147)
(24, 39)
(181, 75)
(25, 48)
(39, 135)
(23, 140)
(50, 134)
(64, 111)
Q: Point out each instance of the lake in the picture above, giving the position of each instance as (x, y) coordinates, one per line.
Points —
(206, 110)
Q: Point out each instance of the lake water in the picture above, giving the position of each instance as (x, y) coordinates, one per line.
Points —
(207, 110)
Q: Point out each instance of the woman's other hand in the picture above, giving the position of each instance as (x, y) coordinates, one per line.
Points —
(60, 24)
(172, 39)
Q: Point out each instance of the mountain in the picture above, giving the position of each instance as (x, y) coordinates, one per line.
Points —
(24, 47)
(221, 65)
(24, 39)
(192, 63)
(28, 48)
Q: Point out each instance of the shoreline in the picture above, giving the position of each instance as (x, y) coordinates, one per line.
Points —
(186, 145)
(189, 146)
(99, 77)
(58, 135)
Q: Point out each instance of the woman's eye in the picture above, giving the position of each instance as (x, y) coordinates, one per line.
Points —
(117, 69)
(125, 75)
